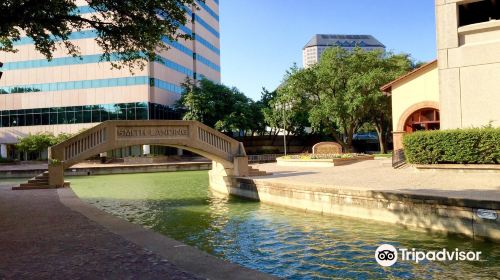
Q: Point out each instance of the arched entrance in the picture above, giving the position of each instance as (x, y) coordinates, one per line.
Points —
(420, 116)
(228, 155)
(422, 119)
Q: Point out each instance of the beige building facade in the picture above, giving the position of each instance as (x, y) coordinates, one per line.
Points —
(68, 94)
(461, 89)
(415, 102)
(468, 42)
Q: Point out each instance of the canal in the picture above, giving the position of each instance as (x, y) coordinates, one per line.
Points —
(287, 243)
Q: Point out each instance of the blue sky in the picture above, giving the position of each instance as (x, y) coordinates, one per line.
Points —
(261, 39)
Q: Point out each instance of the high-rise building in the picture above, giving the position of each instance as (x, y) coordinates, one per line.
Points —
(68, 94)
(312, 52)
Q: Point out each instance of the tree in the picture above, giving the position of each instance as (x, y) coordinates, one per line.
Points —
(218, 106)
(130, 30)
(341, 92)
(289, 107)
(379, 112)
(36, 143)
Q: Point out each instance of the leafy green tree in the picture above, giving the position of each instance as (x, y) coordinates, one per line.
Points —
(36, 143)
(218, 106)
(341, 92)
(130, 30)
(258, 123)
(61, 138)
(271, 118)
(289, 107)
(379, 108)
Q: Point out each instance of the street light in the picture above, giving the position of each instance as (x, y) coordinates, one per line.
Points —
(284, 127)
(283, 107)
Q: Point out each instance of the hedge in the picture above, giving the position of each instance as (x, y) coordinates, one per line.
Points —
(463, 146)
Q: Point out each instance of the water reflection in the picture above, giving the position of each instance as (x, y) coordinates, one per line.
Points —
(280, 241)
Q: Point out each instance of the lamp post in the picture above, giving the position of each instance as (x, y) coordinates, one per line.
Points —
(284, 128)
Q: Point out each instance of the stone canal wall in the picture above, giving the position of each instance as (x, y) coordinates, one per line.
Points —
(473, 218)
(115, 169)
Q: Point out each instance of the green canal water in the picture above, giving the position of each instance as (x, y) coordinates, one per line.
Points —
(287, 243)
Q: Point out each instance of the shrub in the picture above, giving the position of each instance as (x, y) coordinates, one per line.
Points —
(465, 146)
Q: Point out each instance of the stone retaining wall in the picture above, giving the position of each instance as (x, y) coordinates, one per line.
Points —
(439, 214)
(84, 171)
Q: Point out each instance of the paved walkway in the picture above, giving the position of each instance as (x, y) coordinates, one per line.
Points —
(40, 238)
(378, 175)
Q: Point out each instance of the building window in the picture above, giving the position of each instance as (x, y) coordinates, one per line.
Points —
(87, 114)
(476, 12)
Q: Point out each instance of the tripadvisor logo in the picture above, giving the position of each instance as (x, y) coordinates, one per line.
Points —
(387, 255)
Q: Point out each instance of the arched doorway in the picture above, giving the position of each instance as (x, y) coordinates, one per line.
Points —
(422, 119)
(420, 116)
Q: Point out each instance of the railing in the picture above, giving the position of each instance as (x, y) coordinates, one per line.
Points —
(214, 140)
(83, 144)
(106, 136)
(398, 158)
(263, 158)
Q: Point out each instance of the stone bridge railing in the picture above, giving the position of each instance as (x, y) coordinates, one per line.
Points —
(228, 153)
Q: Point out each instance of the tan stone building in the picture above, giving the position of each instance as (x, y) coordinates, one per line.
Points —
(468, 42)
(461, 89)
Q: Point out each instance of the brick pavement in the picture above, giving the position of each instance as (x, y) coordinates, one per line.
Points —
(40, 238)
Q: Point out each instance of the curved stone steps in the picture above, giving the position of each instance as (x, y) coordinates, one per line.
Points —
(38, 182)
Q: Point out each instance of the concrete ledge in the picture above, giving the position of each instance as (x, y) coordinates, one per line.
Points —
(181, 255)
(423, 212)
(493, 168)
(104, 170)
(143, 168)
(320, 162)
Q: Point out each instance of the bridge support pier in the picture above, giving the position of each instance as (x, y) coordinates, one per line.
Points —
(56, 175)
(221, 179)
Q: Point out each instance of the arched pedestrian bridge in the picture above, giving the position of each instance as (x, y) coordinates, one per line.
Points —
(228, 155)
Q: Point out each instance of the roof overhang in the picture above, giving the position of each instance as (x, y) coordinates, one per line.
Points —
(387, 88)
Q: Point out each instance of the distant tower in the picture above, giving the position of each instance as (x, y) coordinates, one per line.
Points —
(312, 52)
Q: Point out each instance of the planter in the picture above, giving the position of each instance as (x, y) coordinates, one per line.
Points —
(321, 162)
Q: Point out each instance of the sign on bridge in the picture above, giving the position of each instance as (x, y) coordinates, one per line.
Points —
(152, 132)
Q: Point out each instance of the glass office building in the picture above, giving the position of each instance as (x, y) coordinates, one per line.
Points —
(68, 94)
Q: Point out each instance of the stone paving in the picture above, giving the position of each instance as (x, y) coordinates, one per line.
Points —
(378, 175)
(40, 238)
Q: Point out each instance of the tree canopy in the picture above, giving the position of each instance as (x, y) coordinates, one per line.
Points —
(129, 30)
(216, 105)
(40, 141)
(341, 92)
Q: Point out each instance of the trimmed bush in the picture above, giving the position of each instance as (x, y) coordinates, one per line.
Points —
(464, 146)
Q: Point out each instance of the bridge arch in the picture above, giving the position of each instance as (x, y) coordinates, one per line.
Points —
(228, 155)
